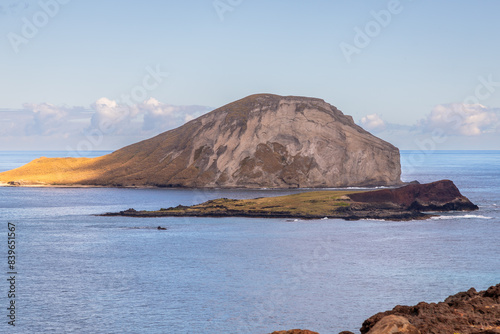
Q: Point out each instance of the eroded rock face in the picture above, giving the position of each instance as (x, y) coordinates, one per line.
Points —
(260, 141)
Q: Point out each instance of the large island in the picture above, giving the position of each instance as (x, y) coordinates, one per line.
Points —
(261, 141)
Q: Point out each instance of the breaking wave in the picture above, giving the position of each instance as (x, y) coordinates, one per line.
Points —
(462, 217)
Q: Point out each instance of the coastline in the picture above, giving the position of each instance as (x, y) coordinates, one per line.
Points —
(374, 214)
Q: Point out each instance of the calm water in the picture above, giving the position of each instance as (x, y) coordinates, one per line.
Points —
(79, 273)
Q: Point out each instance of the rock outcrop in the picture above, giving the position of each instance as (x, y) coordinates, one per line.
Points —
(441, 195)
(468, 312)
(260, 141)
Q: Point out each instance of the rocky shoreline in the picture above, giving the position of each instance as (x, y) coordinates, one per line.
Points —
(468, 312)
(410, 202)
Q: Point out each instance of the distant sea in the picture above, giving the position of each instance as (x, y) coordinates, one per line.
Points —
(80, 273)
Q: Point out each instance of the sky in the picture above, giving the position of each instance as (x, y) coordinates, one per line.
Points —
(98, 75)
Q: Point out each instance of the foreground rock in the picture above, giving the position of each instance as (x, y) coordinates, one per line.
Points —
(260, 141)
(404, 203)
(468, 312)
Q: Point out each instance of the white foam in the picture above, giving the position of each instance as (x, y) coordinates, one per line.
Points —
(462, 217)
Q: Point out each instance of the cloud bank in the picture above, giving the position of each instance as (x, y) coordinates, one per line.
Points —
(462, 119)
(117, 123)
(447, 126)
(108, 124)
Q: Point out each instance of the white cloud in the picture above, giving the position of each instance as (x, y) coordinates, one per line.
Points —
(462, 119)
(147, 118)
(373, 122)
(46, 119)
(110, 117)
(158, 116)
(105, 117)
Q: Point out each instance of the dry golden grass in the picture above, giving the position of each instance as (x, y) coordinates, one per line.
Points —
(314, 203)
(53, 171)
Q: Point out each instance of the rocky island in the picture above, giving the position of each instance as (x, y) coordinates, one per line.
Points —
(261, 141)
(404, 203)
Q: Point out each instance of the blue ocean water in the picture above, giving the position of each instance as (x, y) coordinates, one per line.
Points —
(80, 273)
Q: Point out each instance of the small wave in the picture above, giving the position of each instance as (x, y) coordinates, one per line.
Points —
(364, 188)
(374, 219)
(462, 217)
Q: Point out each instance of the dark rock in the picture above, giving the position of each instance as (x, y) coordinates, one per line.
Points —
(436, 196)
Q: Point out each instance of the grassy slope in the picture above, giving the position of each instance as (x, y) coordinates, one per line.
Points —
(315, 203)
(53, 171)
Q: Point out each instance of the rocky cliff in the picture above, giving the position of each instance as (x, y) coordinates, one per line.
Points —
(440, 195)
(260, 141)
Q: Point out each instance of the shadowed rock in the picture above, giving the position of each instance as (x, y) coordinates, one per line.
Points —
(436, 196)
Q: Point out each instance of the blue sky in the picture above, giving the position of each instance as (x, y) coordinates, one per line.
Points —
(420, 74)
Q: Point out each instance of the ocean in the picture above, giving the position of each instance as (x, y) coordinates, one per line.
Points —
(75, 272)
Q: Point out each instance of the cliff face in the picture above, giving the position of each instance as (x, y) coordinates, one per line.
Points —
(440, 195)
(259, 141)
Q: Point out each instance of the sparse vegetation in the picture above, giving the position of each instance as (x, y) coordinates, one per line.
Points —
(315, 203)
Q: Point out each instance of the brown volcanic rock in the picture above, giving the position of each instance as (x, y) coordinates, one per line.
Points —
(260, 141)
(468, 312)
(393, 324)
(436, 196)
(295, 331)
